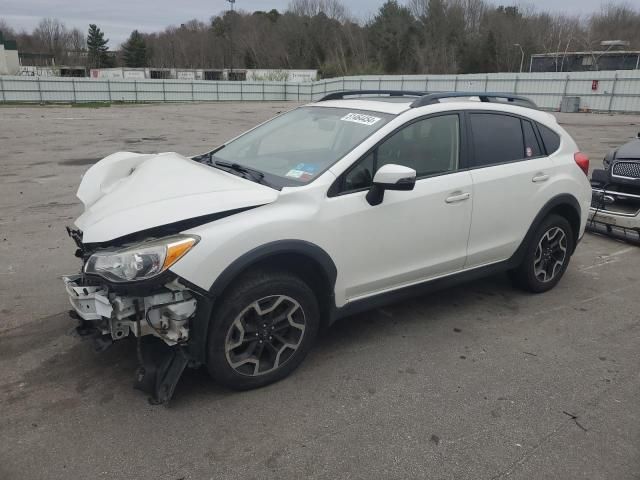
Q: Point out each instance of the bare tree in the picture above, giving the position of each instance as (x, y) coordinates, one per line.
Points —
(333, 9)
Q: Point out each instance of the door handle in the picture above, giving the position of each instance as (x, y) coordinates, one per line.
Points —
(540, 177)
(458, 197)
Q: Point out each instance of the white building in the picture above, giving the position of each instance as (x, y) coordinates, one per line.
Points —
(9, 63)
(256, 75)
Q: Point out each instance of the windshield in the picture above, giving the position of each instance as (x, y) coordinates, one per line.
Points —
(296, 147)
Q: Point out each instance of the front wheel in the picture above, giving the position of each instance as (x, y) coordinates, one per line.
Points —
(547, 256)
(262, 331)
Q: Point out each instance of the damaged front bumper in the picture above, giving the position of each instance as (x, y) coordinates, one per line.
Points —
(163, 315)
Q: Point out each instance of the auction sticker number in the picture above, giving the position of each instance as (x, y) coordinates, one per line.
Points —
(360, 118)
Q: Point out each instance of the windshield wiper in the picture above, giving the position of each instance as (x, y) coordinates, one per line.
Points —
(256, 175)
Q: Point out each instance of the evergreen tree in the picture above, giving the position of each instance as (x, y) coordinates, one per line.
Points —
(97, 48)
(134, 51)
(393, 35)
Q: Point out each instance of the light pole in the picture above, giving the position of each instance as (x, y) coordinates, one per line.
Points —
(522, 57)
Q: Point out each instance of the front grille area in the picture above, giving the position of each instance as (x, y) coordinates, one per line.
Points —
(626, 169)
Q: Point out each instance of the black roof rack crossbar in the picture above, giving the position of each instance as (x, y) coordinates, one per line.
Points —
(391, 93)
(433, 98)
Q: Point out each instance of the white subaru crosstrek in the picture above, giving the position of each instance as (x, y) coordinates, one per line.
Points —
(235, 259)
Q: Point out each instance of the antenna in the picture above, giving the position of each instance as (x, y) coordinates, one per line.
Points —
(232, 3)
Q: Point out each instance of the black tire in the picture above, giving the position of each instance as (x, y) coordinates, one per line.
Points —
(524, 276)
(263, 286)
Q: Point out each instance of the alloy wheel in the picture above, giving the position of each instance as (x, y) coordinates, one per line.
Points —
(551, 254)
(265, 335)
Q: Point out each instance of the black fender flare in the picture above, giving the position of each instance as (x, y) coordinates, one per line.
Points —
(208, 299)
(263, 252)
(562, 200)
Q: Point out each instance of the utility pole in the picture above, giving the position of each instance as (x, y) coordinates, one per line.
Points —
(231, 5)
(522, 57)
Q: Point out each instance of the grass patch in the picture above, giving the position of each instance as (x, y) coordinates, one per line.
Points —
(91, 105)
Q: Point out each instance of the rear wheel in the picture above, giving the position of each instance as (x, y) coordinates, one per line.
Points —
(547, 256)
(262, 331)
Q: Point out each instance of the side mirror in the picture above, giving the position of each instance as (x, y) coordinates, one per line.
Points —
(390, 177)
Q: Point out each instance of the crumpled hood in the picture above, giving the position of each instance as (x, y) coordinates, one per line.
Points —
(128, 192)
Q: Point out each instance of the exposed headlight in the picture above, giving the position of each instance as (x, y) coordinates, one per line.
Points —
(142, 261)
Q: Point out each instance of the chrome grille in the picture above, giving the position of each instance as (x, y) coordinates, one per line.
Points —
(626, 169)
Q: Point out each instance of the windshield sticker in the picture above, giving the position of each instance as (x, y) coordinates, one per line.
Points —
(360, 118)
(307, 168)
(299, 174)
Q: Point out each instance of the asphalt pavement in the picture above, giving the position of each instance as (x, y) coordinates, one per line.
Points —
(480, 381)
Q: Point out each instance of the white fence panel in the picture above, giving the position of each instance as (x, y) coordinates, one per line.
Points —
(614, 91)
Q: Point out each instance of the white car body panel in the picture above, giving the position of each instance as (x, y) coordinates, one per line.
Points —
(351, 231)
(505, 203)
(128, 192)
(409, 237)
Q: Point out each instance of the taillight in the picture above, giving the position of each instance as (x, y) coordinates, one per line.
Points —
(582, 161)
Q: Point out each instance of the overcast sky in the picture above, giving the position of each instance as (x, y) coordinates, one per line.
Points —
(119, 17)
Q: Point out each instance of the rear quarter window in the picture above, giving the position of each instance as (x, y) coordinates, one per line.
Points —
(531, 145)
(550, 139)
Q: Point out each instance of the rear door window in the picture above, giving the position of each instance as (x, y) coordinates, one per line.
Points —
(496, 139)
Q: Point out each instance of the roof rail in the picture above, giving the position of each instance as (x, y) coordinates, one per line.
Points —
(433, 98)
(391, 93)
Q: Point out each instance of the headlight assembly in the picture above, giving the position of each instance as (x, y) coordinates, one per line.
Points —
(140, 262)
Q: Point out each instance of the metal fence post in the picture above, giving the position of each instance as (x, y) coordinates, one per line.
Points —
(264, 98)
(164, 92)
(379, 83)
(240, 91)
(402, 83)
(486, 82)
(613, 91)
(39, 89)
(298, 91)
(342, 83)
(285, 91)
(4, 96)
(566, 86)
(135, 88)
(360, 85)
(217, 92)
(455, 84)
(193, 98)
(109, 88)
(515, 86)
(73, 85)
(426, 83)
